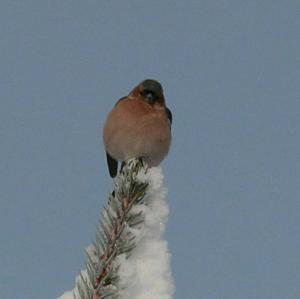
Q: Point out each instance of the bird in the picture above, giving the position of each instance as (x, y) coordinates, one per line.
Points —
(139, 126)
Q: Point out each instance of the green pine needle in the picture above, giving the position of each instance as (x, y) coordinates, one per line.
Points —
(112, 236)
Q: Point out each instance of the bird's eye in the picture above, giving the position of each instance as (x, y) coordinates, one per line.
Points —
(150, 96)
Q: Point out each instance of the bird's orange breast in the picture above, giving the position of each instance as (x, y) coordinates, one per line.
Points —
(136, 129)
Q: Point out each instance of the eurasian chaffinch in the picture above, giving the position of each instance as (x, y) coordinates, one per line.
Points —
(139, 126)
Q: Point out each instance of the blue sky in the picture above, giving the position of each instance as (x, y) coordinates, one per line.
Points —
(230, 70)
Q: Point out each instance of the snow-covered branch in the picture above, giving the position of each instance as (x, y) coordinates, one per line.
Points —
(129, 258)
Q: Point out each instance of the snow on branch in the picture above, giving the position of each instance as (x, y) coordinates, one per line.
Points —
(129, 258)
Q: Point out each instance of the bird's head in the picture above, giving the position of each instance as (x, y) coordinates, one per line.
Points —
(150, 91)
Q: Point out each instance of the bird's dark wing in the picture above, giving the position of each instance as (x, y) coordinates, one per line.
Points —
(112, 165)
(120, 101)
(169, 114)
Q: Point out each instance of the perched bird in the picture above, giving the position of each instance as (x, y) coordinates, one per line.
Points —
(139, 126)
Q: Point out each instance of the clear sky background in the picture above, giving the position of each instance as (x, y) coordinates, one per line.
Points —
(230, 70)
